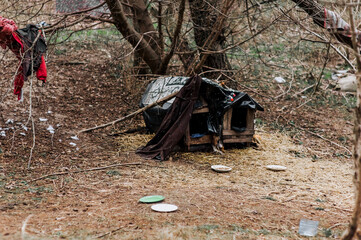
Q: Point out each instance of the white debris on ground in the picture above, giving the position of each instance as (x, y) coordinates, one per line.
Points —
(13, 125)
(280, 79)
(74, 137)
(51, 129)
(347, 84)
(9, 121)
(344, 81)
(24, 127)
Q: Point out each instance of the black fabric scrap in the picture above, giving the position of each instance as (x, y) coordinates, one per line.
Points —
(175, 122)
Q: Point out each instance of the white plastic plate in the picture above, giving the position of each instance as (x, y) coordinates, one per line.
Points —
(276, 167)
(163, 207)
(221, 168)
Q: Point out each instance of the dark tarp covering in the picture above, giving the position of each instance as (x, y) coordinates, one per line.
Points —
(178, 114)
(220, 100)
(156, 90)
(176, 120)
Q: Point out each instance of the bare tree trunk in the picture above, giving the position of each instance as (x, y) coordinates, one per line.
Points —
(145, 24)
(355, 219)
(165, 62)
(140, 68)
(144, 38)
(204, 19)
(150, 56)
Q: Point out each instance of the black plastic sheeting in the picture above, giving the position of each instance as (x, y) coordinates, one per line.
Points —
(219, 100)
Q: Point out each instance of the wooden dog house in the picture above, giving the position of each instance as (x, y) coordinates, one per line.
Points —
(202, 114)
(234, 120)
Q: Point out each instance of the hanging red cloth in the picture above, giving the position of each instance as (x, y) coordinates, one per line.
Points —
(9, 38)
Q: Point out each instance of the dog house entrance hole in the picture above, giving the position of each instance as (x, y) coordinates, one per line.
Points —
(239, 119)
(198, 125)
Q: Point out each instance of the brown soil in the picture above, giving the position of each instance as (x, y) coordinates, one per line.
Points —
(247, 203)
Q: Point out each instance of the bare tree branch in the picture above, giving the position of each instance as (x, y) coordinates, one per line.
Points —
(163, 67)
(147, 52)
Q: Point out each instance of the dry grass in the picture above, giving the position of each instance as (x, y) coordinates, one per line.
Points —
(316, 189)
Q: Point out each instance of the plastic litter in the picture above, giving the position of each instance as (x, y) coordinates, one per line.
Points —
(280, 79)
(2, 134)
(221, 168)
(43, 119)
(276, 168)
(74, 137)
(163, 207)
(308, 228)
(72, 144)
(334, 77)
(9, 121)
(342, 71)
(347, 84)
(151, 199)
(24, 127)
(51, 129)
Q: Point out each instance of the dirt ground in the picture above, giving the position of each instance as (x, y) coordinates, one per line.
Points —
(247, 203)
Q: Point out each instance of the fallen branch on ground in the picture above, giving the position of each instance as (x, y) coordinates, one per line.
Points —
(86, 170)
(323, 138)
(132, 114)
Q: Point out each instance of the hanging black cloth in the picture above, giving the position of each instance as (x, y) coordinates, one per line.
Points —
(176, 120)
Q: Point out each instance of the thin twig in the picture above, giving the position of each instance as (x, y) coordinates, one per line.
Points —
(132, 114)
(111, 232)
(31, 101)
(304, 103)
(242, 85)
(304, 90)
(34, 142)
(320, 37)
(323, 69)
(85, 170)
(23, 228)
(322, 137)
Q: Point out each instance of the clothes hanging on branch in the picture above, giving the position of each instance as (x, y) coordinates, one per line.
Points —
(29, 47)
(330, 20)
(340, 28)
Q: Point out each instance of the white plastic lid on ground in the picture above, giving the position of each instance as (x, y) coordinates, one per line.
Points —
(221, 168)
(276, 167)
(163, 207)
